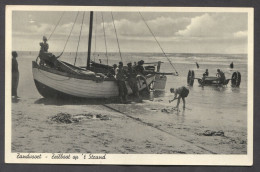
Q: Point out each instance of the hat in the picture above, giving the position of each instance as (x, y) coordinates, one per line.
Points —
(141, 62)
(129, 64)
(14, 54)
(171, 90)
(44, 38)
(114, 65)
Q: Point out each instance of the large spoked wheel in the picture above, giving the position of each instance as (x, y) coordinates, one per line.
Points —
(236, 79)
(190, 77)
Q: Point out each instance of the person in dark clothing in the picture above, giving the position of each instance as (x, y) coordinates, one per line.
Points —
(141, 73)
(112, 72)
(139, 68)
(197, 65)
(206, 73)
(131, 78)
(231, 65)
(121, 78)
(221, 76)
(182, 92)
(15, 74)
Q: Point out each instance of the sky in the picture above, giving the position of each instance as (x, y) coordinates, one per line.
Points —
(177, 32)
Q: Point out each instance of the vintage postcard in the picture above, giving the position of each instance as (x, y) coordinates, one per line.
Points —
(129, 85)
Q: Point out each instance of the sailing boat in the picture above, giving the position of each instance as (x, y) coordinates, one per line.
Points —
(67, 80)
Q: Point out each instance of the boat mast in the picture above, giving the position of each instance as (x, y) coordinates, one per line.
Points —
(89, 38)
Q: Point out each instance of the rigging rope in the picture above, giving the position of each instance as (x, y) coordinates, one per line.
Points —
(116, 37)
(158, 43)
(56, 25)
(79, 38)
(104, 36)
(69, 35)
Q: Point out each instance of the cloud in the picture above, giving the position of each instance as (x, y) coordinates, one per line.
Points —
(240, 34)
(214, 25)
(193, 32)
(161, 27)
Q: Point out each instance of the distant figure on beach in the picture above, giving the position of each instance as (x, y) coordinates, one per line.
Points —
(231, 65)
(15, 74)
(100, 61)
(221, 76)
(132, 80)
(181, 92)
(197, 65)
(121, 78)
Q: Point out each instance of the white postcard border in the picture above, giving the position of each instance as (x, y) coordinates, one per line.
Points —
(130, 159)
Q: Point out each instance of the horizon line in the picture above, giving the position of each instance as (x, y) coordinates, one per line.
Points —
(132, 52)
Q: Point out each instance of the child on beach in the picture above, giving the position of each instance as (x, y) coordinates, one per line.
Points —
(182, 92)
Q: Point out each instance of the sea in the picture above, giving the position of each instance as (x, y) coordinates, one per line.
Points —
(211, 105)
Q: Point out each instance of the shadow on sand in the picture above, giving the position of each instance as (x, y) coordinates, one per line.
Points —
(82, 101)
(79, 101)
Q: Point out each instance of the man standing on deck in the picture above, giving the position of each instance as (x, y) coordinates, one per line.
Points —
(15, 74)
(131, 76)
(48, 58)
(44, 48)
(44, 45)
(181, 92)
(121, 77)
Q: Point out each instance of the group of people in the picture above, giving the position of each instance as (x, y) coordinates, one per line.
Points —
(183, 92)
(220, 75)
(133, 75)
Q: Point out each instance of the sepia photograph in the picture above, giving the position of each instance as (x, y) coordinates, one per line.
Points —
(129, 85)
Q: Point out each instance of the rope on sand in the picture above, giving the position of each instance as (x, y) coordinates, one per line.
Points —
(151, 125)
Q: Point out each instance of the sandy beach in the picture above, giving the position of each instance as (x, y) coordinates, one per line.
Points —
(140, 128)
(207, 126)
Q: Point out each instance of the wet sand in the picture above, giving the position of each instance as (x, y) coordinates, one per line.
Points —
(134, 128)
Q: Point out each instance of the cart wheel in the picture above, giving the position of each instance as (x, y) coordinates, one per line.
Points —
(236, 79)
